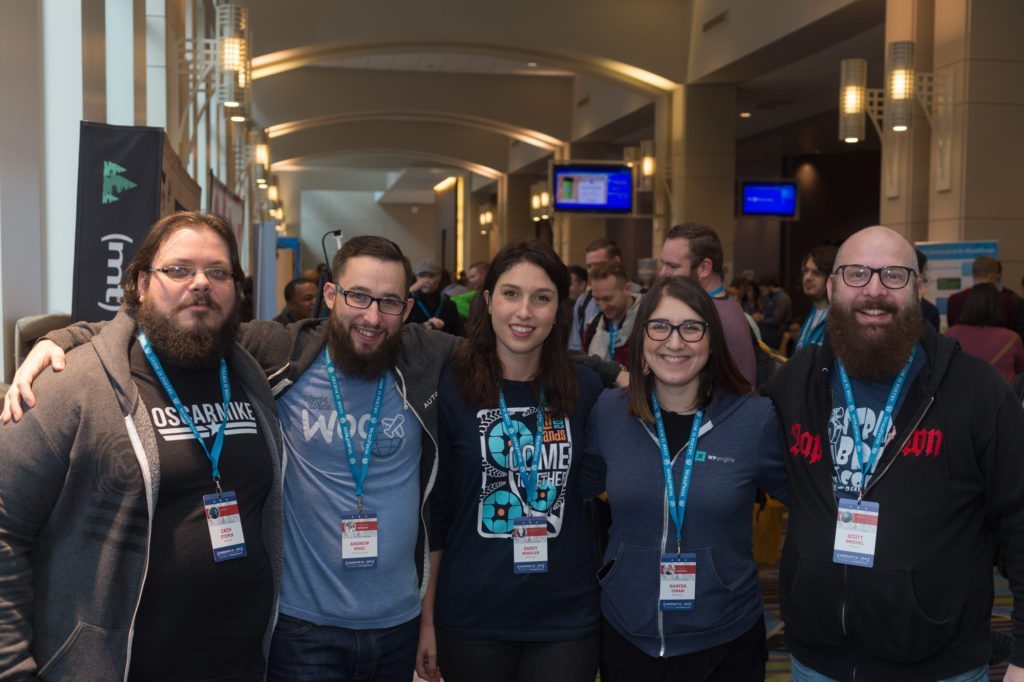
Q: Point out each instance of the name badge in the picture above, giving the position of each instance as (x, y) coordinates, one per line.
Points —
(225, 525)
(678, 591)
(530, 544)
(359, 539)
(856, 532)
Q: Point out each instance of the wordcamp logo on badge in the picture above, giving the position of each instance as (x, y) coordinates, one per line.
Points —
(114, 183)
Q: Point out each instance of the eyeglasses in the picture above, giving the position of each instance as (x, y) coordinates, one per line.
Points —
(358, 299)
(185, 273)
(689, 330)
(891, 276)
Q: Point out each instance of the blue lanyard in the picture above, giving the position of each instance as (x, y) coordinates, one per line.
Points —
(359, 467)
(225, 391)
(883, 422)
(426, 312)
(716, 292)
(676, 504)
(813, 329)
(528, 477)
(612, 333)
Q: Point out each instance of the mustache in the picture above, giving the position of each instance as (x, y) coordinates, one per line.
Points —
(879, 303)
(198, 299)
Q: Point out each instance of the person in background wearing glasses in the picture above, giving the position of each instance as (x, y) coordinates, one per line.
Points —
(140, 523)
(357, 399)
(904, 470)
(685, 447)
(814, 274)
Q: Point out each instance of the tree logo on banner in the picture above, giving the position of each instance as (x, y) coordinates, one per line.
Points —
(113, 182)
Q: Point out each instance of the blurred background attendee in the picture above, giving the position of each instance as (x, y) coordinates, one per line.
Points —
(988, 270)
(431, 308)
(980, 331)
(475, 275)
(814, 274)
(775, 311)
(299, 299)
(578, 281)
(928, 309)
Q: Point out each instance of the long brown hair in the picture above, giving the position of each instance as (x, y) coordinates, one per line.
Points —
(720, 370)
(476, 362)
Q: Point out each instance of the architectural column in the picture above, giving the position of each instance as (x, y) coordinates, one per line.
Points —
(21, 170)
(703, 159)
(978, 42)
(903, 203)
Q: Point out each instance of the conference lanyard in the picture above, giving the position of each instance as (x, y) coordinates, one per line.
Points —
(612, 333)
(813, 329)
(423, 307)
(358, 466)
(527, 476)
(676, 503)
(225, 391)
(883, 422)
(716, 292)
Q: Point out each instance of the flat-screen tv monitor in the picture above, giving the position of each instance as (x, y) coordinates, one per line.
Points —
(764, 198)
(592, 187)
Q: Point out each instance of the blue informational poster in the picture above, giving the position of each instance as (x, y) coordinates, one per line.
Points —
(949, 269)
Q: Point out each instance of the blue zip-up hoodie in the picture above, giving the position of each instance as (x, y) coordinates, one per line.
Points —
(740, 449)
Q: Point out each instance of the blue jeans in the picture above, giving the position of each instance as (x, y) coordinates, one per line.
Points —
(802, 673)
(304, 652)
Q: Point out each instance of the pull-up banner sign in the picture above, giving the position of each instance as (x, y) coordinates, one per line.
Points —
(119, 178)
(128, 177)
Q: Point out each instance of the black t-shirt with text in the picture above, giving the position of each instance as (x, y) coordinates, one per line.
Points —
(199, 619)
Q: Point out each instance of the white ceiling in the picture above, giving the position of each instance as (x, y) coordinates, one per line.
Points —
(443, 62)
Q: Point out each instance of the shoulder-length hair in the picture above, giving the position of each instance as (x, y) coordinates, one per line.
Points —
(476, 362)
(720, 370)
(141, 263)
(983, 307)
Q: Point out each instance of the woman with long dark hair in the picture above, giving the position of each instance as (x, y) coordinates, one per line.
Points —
(685, 447)
(516, 597)
(980, 332)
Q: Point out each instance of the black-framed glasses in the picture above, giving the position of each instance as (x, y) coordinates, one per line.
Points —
(688, 330)
(891, 276)
(186, 273)
(362, 300)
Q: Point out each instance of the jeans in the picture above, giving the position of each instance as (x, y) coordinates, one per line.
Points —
(802, 673)
(304, 652)
(475, 660)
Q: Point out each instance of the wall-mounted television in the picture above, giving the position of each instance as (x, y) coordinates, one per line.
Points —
(592, 187)
(777, 199)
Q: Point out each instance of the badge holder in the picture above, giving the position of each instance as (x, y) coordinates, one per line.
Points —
(678, 582)
(225, 525)
(530, 544)
(359, 539)
(856, 533)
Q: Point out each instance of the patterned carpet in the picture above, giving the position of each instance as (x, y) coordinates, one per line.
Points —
(778, 659)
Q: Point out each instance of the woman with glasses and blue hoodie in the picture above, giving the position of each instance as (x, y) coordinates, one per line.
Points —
(685, 447)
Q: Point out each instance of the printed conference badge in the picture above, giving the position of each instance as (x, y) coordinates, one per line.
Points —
(359, 539)
(678, 582)
(530, 544)
(856, 532)
(225, 525)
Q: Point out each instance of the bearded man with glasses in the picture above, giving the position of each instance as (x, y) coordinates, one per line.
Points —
(904, 470)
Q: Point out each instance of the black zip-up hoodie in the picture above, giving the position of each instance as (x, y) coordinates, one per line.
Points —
(949, 484)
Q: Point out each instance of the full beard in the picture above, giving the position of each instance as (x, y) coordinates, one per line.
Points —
(354, 363)
(882, 353)
(198, 347)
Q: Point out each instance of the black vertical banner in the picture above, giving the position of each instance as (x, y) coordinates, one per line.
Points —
(119, 185)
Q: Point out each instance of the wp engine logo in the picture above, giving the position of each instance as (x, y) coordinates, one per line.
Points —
(113, 292)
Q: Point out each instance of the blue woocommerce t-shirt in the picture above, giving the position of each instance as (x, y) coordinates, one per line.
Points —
(319, 489)
(870, 397)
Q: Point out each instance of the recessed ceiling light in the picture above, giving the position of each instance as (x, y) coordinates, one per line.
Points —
(745, 114)
(531, 64)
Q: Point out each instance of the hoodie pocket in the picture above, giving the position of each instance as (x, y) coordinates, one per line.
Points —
(88, 653)
(811, 600)
(886, 618)
(629, 589)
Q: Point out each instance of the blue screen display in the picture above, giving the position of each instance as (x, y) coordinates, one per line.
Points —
(769, 198)
(593, 188)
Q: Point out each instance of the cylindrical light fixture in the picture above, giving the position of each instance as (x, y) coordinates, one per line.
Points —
(263, 155)
(899, 104)
(647, 167)
(273, 194)
(233, 61)
(853, 81)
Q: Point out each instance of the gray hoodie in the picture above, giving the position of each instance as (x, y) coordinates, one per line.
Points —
(79, 482)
